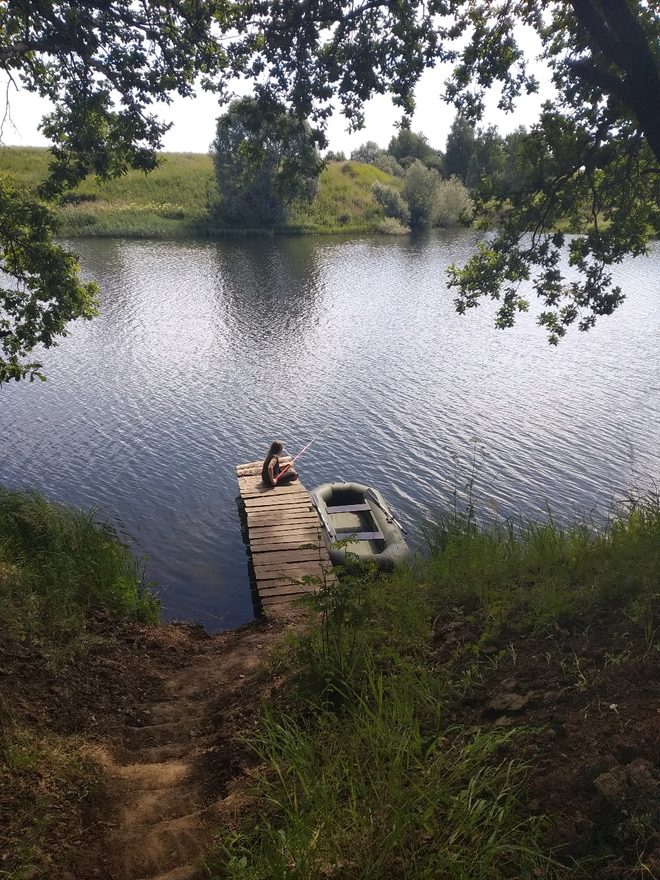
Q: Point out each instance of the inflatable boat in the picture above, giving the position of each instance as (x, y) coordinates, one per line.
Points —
(360, 515)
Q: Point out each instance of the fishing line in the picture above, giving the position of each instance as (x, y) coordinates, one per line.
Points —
(303, 450)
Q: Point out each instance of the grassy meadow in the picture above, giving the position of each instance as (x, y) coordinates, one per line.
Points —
(176, 200)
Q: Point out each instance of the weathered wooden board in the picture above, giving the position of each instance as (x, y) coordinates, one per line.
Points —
(287, 530)
(293, 536)
(267, 546)
(288, 519)
(273, 515)
(279, 522)
(284, 557)
(268, 589)
(253, 486)
(294, 530)
(287, 590)
(280, 502)
(291, 571)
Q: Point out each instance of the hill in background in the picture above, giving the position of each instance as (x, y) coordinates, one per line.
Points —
(177, 199)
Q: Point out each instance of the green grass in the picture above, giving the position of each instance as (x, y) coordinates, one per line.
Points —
(537, 573)
(344, 201)
(171, 201)
(360, 777)
(361, 772)
(58, 563)
(385, 791)
(176, 200)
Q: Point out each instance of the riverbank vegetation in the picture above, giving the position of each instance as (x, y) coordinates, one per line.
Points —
(57, 564)
(179, 199)
(484, 715)
(487, 713)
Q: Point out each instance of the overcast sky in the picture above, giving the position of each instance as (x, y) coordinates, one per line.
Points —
(193, 120)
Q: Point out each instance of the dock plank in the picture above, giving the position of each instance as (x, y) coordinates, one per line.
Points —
(291, 568)
(294, 535)
(280, 522)
(281, 502)
(283, 521)
(284, 542)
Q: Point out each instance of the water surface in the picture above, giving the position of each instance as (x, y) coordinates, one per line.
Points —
(205, 352)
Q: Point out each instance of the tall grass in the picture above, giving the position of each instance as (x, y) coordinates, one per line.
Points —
(385, 790)
(58, 563)
(532, 574)
(362, 776)
(177, 199)
(361, 771)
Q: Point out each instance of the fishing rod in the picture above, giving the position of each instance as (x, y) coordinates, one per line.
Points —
(303, 450)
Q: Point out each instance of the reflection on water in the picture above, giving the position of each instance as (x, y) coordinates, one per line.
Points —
(206, 352)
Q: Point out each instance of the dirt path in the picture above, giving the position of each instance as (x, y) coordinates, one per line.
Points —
(167, 772)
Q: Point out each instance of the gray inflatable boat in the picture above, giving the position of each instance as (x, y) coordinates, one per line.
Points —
(359, 514)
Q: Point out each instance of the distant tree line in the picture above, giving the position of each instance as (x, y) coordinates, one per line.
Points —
(266, 158)
(437, 188)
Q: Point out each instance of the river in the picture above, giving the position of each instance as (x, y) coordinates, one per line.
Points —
(205, 352)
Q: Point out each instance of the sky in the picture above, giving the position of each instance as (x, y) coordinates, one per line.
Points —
(194, 119)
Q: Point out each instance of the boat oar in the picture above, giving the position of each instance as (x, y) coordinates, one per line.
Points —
(371, 495)
(332, 534)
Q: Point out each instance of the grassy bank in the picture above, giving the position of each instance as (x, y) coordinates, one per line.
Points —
(487, 714)
(176, 200)
(57, 566)
(402, 749)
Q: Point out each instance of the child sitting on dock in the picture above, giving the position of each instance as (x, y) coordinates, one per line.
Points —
(272, 473)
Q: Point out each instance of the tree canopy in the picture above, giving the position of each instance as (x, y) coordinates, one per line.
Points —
(367, 152)
(594, 152)
(593, 157)
(407, 147)
(265, 158)
(103, 66)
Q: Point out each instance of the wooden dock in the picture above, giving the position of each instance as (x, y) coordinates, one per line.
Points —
(278, 523)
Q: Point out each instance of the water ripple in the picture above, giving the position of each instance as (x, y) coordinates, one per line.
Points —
(205, 352)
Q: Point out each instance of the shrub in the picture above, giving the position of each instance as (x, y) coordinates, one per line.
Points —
(388, 164)
(392, 226)
(453, 205)
(420, 188)
(391, 202)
